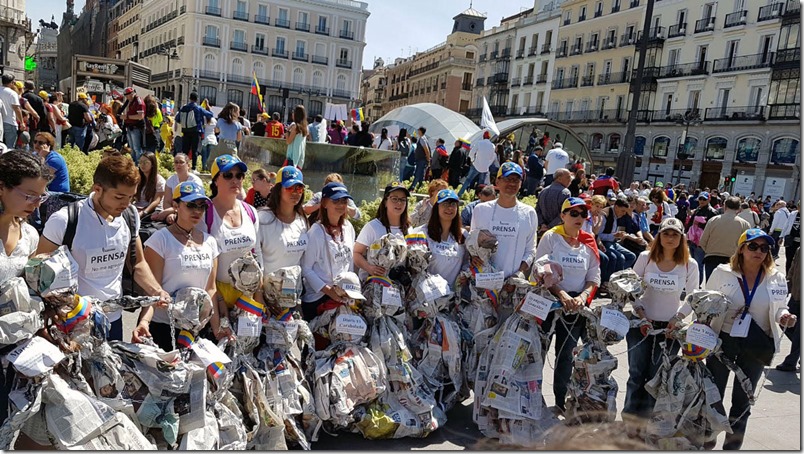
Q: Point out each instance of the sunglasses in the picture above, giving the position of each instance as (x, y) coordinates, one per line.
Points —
(175, 163)
(230, 175)
(197, 206)
(753, 247)
(40, 142)
(576, 213)
(32, 198)
(295, 188)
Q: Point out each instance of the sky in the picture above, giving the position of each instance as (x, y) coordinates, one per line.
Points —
(391, 31)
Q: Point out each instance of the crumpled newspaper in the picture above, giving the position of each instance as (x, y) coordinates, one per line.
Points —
(592, 391)
(191, 309)
(419, 254)
(481, 243)
(388, 252)
(340, 324)
(283, 287)
(432, 296)
(625, 287)
(20, 314)
(53, 272)
(383, 297)
(246, 274)
(436, 348)
(546, 273)
(707, 305)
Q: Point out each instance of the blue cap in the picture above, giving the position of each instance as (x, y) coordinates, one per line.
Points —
(755, 234)
(447, 194)
(189, 191)
(573, 202)
(509, 168)
(227, 162)
(704, 195)
(335, 191)
(289, 176)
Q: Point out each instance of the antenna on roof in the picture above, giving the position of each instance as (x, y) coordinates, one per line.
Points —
(470, 4)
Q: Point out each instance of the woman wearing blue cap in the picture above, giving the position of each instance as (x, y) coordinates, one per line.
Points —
(392, 217)
(750, 329)
(445, 237)
(329, 251)
(181, 256)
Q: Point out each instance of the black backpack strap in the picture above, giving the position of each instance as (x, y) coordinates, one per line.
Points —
(72, 225)
(130, 216)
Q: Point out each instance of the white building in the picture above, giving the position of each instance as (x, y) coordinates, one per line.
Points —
(15, 37)
(535, 43)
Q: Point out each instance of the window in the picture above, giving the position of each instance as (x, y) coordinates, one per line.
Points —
(235, 96)
(210, 63)
(262, 11)
(689, 147)
(639, 145)
(614, 143)
(298, 76)
(784, 151)
(211, 32)
(598, 9)
(318, 79)
(280, 44)
(660, 147)
(316, 108)
(283, 15)
(303, 17)
(239, 36)
(343, 54)
(209, 93)
(259, 69)
(241, 7)
(300, 48)
(748, 149)
(279, 73)
(259, 41)
(716, 148)
(322, 23)
(340, 82)
(347, 26)
(237, 67)
(597, 141)
(694, 100)
(582, 16)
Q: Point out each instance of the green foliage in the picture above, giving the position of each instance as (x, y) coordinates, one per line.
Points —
(165, 164)
(529, 200)
(81, 168)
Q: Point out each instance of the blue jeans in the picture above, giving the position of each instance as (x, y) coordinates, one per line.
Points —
(205, 149)
(76, 136)
(569, 329)
(418, 176)
(620, 258)
(134, 136)
(697, 253)
(472, 179)
(116, 330)
(644, 360)
(9, 135)
(403, 162)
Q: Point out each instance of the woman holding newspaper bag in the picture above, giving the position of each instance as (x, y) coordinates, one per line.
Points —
(445, 237)
(392, 217)
(668, 271)
(751, 328)
(576, 251)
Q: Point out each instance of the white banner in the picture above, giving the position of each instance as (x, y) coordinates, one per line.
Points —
(774, 187)
(744, 185)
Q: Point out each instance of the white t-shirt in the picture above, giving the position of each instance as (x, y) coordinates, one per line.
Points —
(556, 159)
(325, 258)
(160, 187)
(184, 266)
(662, 297)
(579, 264)
(370, 233)
(515, 229)
(171, 184)
(100, 248)
(482, 155)
(209, 132)
(233, 242)
(382, 144)
(10, 99)
(282, 244)
(448, 257)
(14, 265)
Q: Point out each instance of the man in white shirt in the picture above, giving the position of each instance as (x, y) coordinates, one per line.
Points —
(511, 221)
(10, 110)
(318, 130)
(482, 156)
(556, 159)
(778, 225)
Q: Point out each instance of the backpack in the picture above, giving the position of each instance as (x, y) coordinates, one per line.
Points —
(55, 202)
(188, 120)
(412, 156)
(404, 146)
(129, 215)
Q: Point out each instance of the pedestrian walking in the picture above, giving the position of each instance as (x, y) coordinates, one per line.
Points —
(79, 117)
(134, 119)
(423, 155)
(719, 238)
(10, 110)
(481, 154)
(404, 148)
(557, 158)
(192, 118)
(794, 306)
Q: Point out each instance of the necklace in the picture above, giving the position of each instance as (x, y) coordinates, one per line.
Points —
(187, 233)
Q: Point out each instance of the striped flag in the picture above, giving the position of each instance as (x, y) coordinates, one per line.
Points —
(249, 305)
(82, 310)
(216, 369)
(255, 89)
(185, 339)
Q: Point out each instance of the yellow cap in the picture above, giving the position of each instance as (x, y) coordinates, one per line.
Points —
(43, 94)
(82, 96)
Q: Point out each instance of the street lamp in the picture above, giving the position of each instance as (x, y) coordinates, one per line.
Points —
(691, 117)
(166, 51)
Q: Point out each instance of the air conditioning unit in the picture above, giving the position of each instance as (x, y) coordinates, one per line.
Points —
(593, 48)
(611, 43)
(682, 31)
(710, 25)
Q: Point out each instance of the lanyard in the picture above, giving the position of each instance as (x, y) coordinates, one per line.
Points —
(516, 236)
(749, 296)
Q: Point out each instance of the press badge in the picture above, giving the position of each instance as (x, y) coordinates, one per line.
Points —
(741, 325)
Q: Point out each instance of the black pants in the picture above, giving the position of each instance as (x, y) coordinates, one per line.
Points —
(189, 144)
(713, 261)
(6, 381)
(790, 248)
(569, 329)
(794, 334)
(775, 248)
(116, 330)
(162, 335)
(310, 310)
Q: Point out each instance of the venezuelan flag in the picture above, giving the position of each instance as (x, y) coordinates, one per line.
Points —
(384, 281)
(465, 144)
(285, 316)
(216, 369)
(249, 305)
(80, 312)
(491, 294)
(255, 88)
(185, 339)
(412, 239)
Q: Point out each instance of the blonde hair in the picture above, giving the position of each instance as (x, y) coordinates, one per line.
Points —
(599, 200)
(435, 186)
(736, 260)
(332, 178)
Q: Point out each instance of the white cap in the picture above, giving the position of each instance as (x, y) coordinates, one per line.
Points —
(350, 283)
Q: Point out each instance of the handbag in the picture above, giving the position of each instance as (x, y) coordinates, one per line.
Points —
(757, 345)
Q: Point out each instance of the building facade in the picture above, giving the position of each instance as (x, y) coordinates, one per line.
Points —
(124, 30)
(372, 90)
(302, 52)
(46, 53)
(83, 34)
(15, 37)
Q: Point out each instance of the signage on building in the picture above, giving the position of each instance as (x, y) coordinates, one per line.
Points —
(110, 69)
(774, 187)
(94, 86)
(744, 185)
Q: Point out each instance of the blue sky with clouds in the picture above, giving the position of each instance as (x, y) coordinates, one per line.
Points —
(394, 29)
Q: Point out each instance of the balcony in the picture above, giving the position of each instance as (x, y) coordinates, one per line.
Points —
(581, 18)
(565, 83)
(674, 115)
(609, 44)
(279, 53)
(520, 54)
(792, 9)
(347, 34)
(528, 80)
(634, 3)
(546, 49)
(398, 97)
(587, 81)
(684, 70)
(481, 81)
(787, 58)
(567, 21)
(319, 60)
(516, 81)
(598, 13)
(489, 80)
(627, 39)
(255, 49)
(674, 31)
(466, 86)
(236, 78)
(562, 52)
(341, 94)
(211, 41)
(735, 19)
(784, 111)
(592, 46)
(303, 26)
(180, 41)
(615, 8)
(707, 24)
(343, 63)
(282, 23)
(322, 30)
(183, 9)
(506, 53)
(610, 116)
(532, 51)
(212, 11)
(498, 109)
(746, 62)
(744, 113)
(482, 58)
(242, 47)
(655, 36)
(265, 20)
(501, 78)
(541, 79)
(300, 56)
(240, 15)
(211, 75)
(576, 50)
(770, 12)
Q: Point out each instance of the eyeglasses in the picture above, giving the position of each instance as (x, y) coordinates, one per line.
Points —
(753, 247)
(258, 178)
(230, 175)
(576, 213)
(40, 142)
(295, 188)
(397, 200)
(33, 198)
(175, 163)
(197, 206)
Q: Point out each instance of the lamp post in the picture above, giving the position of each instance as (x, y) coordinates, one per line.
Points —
(166, 51)
(691, 117)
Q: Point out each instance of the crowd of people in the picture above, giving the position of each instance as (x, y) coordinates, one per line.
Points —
(592, 226)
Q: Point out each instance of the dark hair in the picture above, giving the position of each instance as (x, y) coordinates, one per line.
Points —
(16, 165)
(193, 96)
(319, 118)
(300, 118)
(323, 218)
(275, 198)
(423, 129)
(403, 133)
(609, 171)
(364, 126)
(382, 215)
(7, 78)
(732, 203)
(148, 182)
(213, 187)
(29, 85)
(115, 170)
(434, 226)
(275, 116)
(151, 106)
(657, 192)
(228, 112)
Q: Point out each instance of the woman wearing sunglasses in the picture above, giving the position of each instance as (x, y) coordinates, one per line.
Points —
(329, 253)
(750, 329)
(667, 271)
(181, 256)
(576, 251)
(233, 223)
(445, 237)
(392, 217)
(183, 174)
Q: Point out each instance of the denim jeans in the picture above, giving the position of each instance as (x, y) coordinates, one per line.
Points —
(531, 184)
(472, 179)
(740, 408)
(620, 258)
(403, 162)
(569, 329)
(418, 176)
(76, 136)
(698, 254)
(116, 330)
(205, 149)
(644, 360)
(9, 135)
(134, 136)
